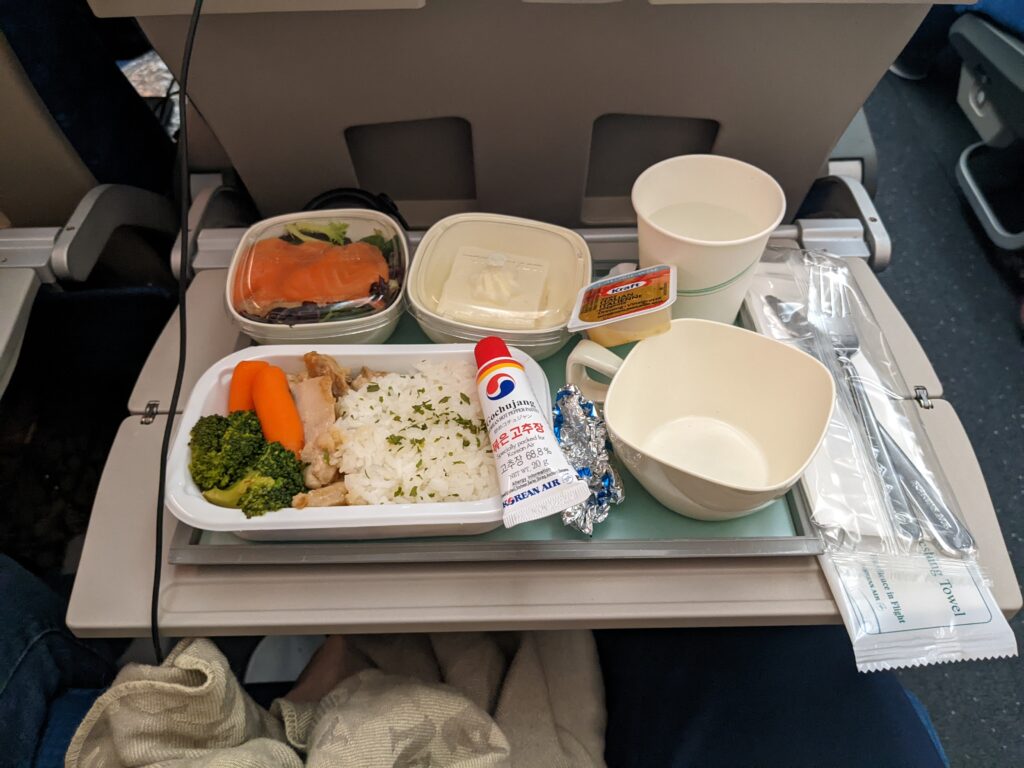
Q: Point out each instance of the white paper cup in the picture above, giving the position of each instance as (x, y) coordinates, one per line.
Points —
(711, 217)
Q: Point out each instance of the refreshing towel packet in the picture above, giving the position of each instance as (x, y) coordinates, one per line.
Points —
(912, 610)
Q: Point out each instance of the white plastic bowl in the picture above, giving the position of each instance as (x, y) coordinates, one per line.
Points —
(373, 329)
(380, 521)
(713, 420)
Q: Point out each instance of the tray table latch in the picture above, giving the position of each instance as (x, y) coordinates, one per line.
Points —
(150, 411)
(921, 395)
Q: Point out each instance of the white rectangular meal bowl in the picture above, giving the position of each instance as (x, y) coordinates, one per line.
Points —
(376, 521)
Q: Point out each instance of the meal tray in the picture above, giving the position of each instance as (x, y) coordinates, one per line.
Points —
(428, 518)
(639, 528)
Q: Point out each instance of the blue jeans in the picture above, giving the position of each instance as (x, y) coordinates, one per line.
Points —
(39, 660)
(775, 696)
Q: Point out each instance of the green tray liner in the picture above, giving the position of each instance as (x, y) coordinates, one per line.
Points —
(639, 518)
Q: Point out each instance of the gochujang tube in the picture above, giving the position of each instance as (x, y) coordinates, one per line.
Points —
(534, 475)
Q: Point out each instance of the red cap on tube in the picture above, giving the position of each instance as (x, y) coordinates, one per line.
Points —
(488, 349)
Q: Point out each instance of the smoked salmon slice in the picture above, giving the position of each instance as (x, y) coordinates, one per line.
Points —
(282, 274)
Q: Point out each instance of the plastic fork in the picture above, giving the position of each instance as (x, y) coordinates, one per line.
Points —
(911, 497)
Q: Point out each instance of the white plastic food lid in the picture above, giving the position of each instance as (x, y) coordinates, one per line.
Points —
(485, 272)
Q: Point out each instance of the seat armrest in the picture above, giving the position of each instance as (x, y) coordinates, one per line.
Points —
(103, 209)
(17, 290)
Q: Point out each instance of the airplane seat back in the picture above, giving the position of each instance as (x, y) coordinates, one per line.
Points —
(71, 119)
(541, 109)
(991, 94)
(42, 177)
(69, 122)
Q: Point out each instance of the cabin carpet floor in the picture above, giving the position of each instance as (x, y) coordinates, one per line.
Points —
(961, 296)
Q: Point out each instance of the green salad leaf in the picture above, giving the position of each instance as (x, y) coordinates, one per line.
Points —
(324, 231)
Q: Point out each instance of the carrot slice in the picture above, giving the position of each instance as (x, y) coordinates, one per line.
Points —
(240, 393)
(276, 409)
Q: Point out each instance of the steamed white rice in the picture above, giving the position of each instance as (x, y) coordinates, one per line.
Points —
(416, 438)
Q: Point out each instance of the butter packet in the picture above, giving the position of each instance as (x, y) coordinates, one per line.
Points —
(626, 307)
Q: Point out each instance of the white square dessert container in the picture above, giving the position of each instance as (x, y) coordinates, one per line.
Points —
(540, 331)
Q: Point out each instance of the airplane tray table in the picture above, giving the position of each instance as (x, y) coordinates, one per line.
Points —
(640, 527)
(111, 592)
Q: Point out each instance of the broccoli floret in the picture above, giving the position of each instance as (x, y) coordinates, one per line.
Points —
(208, 432)
(205, 440)
(273, 481)
(278, 462)
(262, 498)
(242, 443)
(232, 495)
(223, 448)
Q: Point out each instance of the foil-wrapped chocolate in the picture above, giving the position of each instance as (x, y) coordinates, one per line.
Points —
(583, 438)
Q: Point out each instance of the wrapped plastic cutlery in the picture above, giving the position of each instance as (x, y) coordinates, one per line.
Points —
(900, 562)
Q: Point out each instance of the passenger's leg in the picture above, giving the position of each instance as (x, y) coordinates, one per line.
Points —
(332, 663)
(39, 658)
(784, 696)
(65, 715)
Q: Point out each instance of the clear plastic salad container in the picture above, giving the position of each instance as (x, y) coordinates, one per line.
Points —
(333, 276)
(480, 274)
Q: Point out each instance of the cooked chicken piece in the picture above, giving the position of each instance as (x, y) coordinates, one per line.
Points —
(315, 404)
(320, 472)
(322, 365)
(332, 495)
(365, 377)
